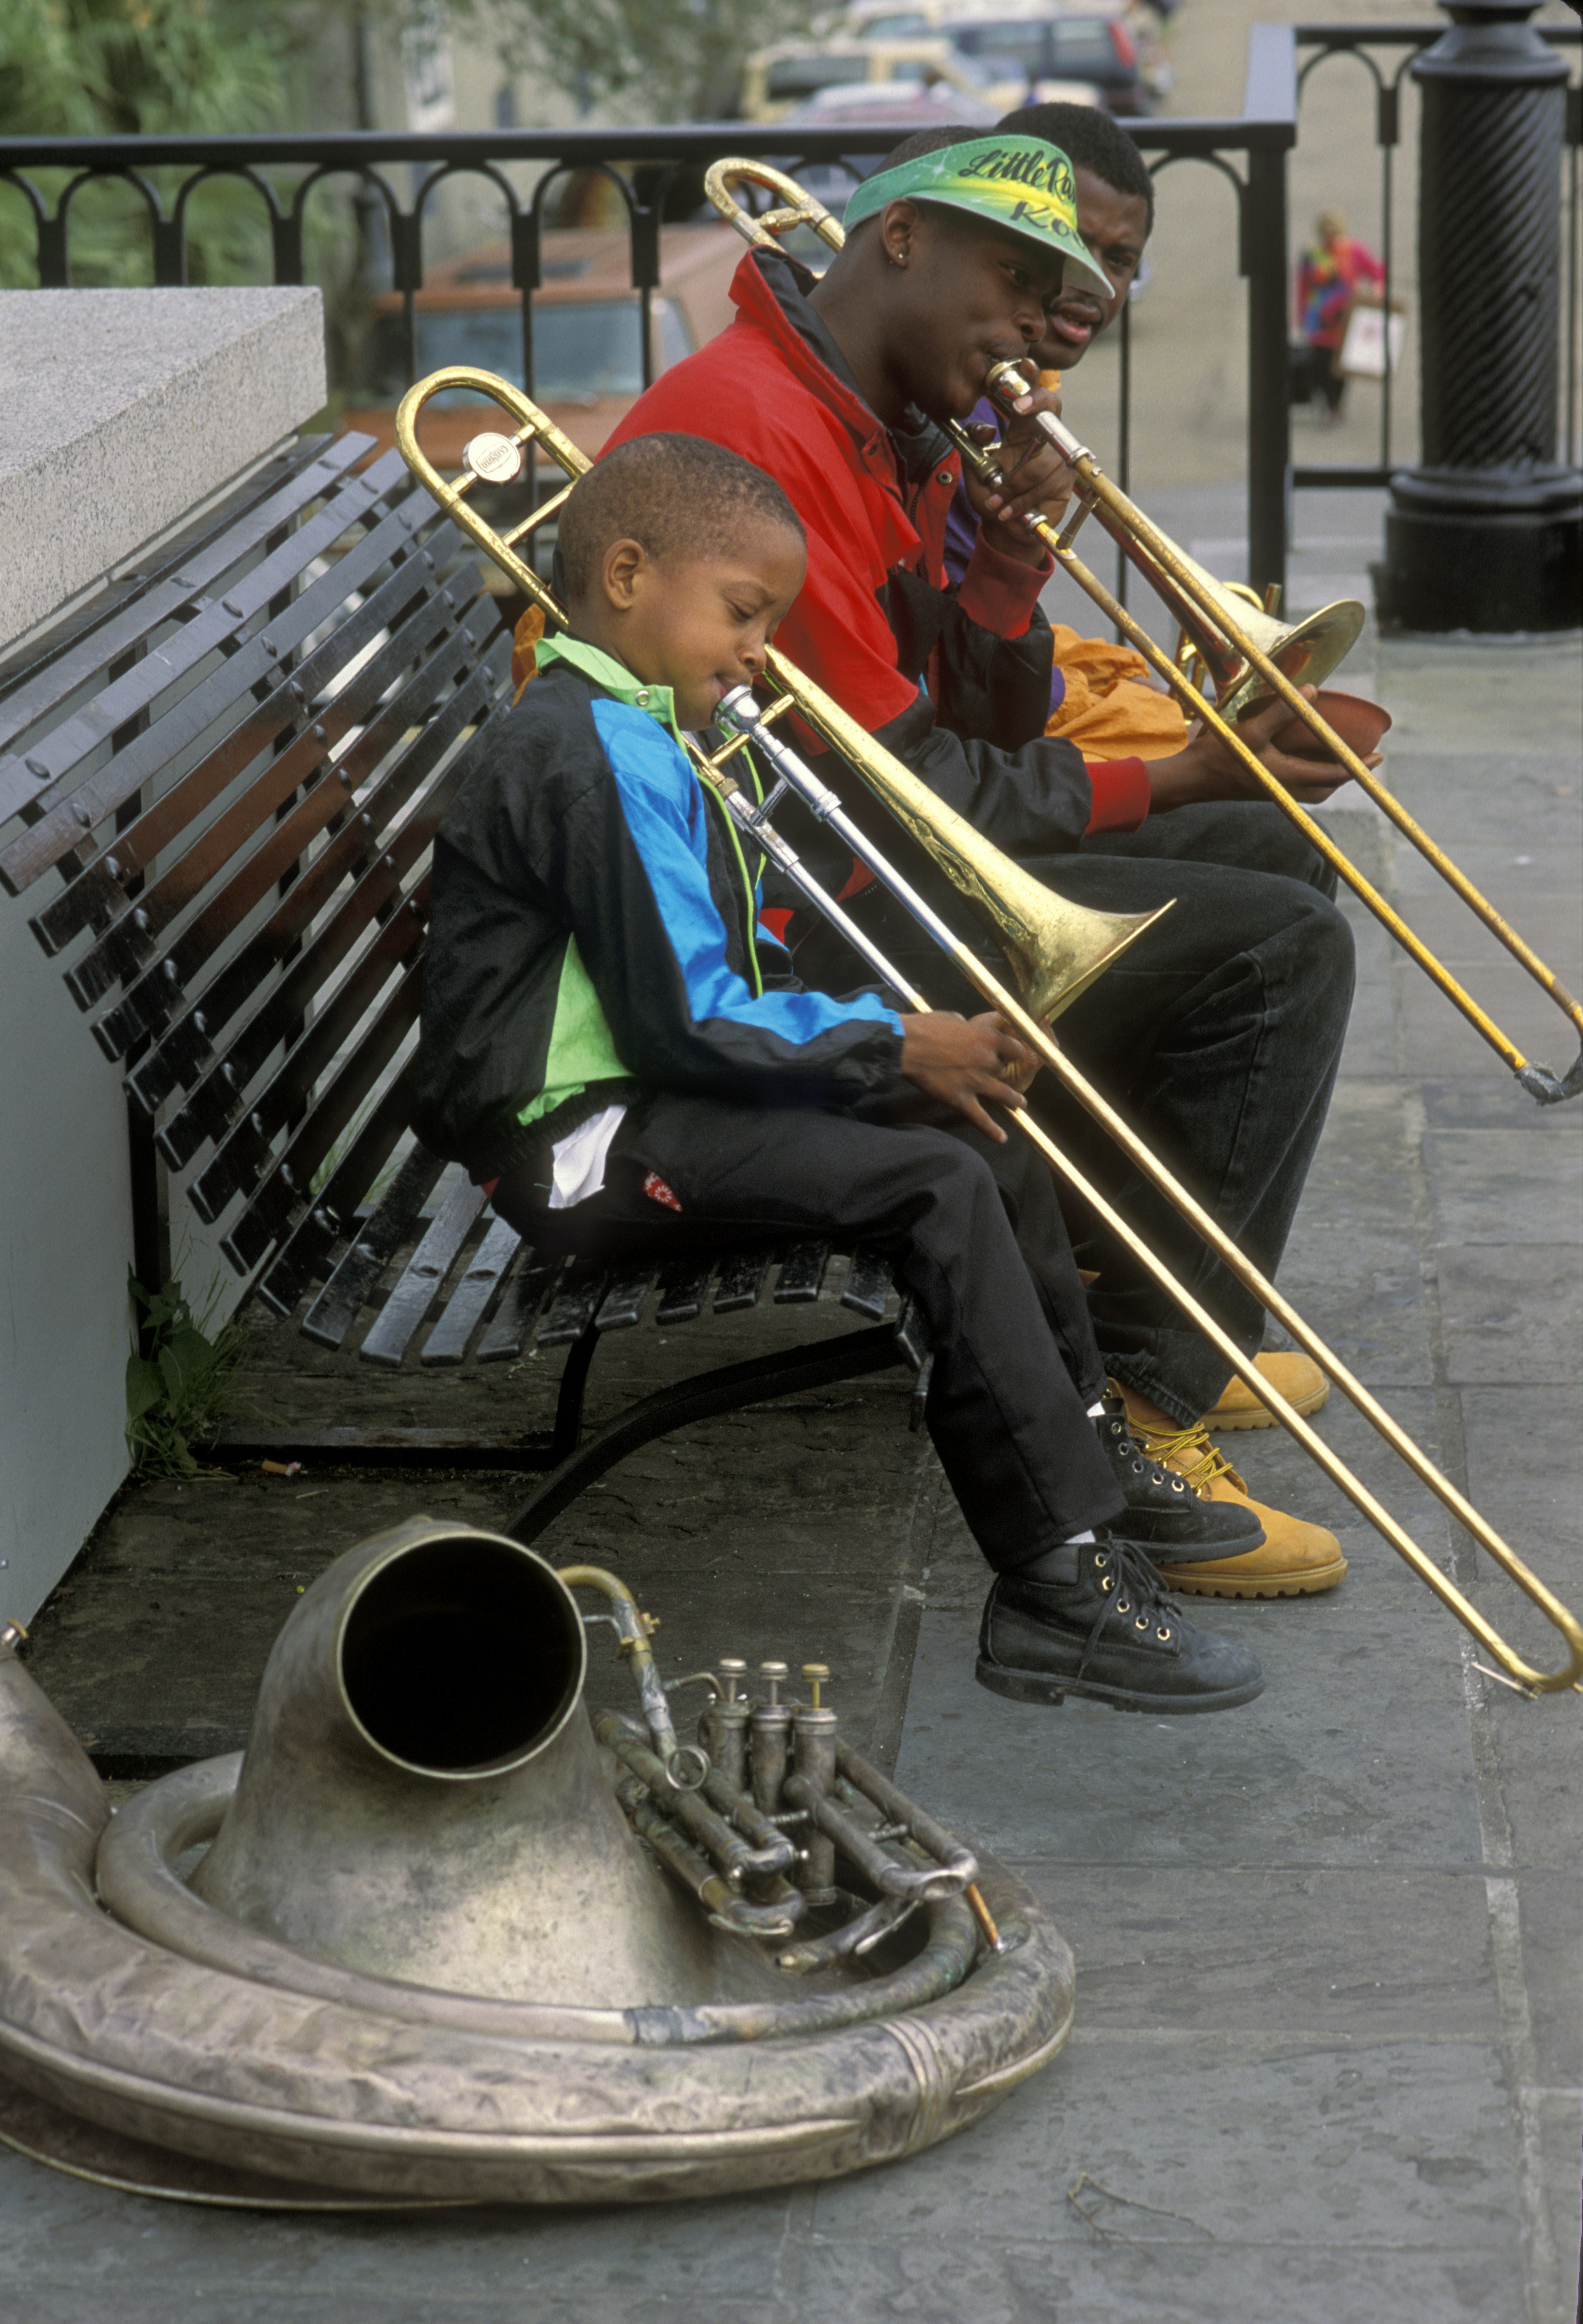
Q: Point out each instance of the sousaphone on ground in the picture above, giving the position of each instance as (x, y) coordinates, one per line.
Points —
(1246, 654)
(1000, 892)
(439, 1935)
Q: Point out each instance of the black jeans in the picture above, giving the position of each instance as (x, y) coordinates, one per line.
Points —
(978, 1240)
(1218, 1037)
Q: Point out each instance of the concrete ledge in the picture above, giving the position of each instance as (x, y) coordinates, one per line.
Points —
(124, 409)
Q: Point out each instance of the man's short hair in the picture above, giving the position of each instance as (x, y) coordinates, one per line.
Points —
(930, 141)
(1090, 139)
(676, 495)
(913, 149)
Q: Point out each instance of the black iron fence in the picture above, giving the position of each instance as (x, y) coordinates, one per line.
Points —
(655, 175)
(1383, 55)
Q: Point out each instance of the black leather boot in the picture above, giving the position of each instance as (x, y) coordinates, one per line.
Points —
(1165, 1517)
(1093, 1619)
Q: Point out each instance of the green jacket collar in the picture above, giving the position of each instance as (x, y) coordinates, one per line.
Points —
(617, 680)
(613, 677)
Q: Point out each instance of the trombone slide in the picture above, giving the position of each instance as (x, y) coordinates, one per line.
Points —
(825, 718)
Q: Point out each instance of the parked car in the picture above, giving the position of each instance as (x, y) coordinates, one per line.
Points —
(1040, 49)
(919, 108)
(587, 334)
(779, 80)
(1112, 42)
(903, 108)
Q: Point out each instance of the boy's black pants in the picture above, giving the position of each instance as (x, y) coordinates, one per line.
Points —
(978, 1240)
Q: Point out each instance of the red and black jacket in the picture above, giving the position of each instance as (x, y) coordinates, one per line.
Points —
(954, 679)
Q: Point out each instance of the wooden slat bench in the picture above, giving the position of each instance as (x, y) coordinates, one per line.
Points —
(219, 788)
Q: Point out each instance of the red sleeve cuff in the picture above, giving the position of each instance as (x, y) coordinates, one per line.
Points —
(1000, 592)
(1120, 788)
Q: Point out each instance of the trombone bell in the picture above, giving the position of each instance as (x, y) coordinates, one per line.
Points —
(1057, 949)
(1305, 652)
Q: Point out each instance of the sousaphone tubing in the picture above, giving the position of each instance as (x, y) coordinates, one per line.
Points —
(441, 1936)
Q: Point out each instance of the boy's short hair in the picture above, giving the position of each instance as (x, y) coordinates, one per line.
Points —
(676, 495)
(1090, 139)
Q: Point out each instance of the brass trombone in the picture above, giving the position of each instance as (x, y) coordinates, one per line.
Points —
(1244, 652)
(983, 874)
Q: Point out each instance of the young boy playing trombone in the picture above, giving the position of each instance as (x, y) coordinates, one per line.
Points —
(615, 1046)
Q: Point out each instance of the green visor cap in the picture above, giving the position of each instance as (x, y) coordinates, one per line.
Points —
(1020, 184)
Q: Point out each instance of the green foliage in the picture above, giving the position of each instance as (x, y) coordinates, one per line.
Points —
(139, 68)
(683, 57)
(42, 92)
(135, 68)
(177, 1394)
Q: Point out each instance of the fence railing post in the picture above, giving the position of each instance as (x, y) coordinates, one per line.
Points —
(1271, 98)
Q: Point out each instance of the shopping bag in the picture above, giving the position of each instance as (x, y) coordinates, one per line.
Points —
(1363, 350)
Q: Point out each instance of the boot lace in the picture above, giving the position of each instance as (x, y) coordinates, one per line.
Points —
(1132, 1596)
(1190, 1452)
(1138, 1461)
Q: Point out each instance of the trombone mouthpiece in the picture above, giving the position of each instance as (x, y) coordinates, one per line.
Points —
(738, 705)
(1008, 381)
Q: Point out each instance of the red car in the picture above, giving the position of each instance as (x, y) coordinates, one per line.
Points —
(588, 341)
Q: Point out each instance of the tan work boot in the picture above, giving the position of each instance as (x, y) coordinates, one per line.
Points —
(1296, 1377)
(1297, 1559)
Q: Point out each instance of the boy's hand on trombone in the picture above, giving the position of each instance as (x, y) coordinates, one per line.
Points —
(968, 1063)
(1208, 768)
(1038, 480)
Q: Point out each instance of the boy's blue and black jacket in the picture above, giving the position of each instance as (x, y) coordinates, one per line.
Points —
(594, 932)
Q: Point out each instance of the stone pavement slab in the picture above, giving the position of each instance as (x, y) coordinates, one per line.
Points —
(1344, 1952)
(1512, 1311)
(164, 1626)
(1495, 1186)
(1275, 2141)
(1342, 1760)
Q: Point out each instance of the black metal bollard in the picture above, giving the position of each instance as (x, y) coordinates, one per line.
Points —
(1486, 533)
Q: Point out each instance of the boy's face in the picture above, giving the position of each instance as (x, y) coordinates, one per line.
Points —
(1114, 226)
(697, 625)
(964, 298)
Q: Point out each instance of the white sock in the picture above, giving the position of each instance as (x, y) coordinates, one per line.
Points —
(1075, 1540)
(1096, 1412)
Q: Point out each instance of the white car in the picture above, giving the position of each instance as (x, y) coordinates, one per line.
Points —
(781, 79)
